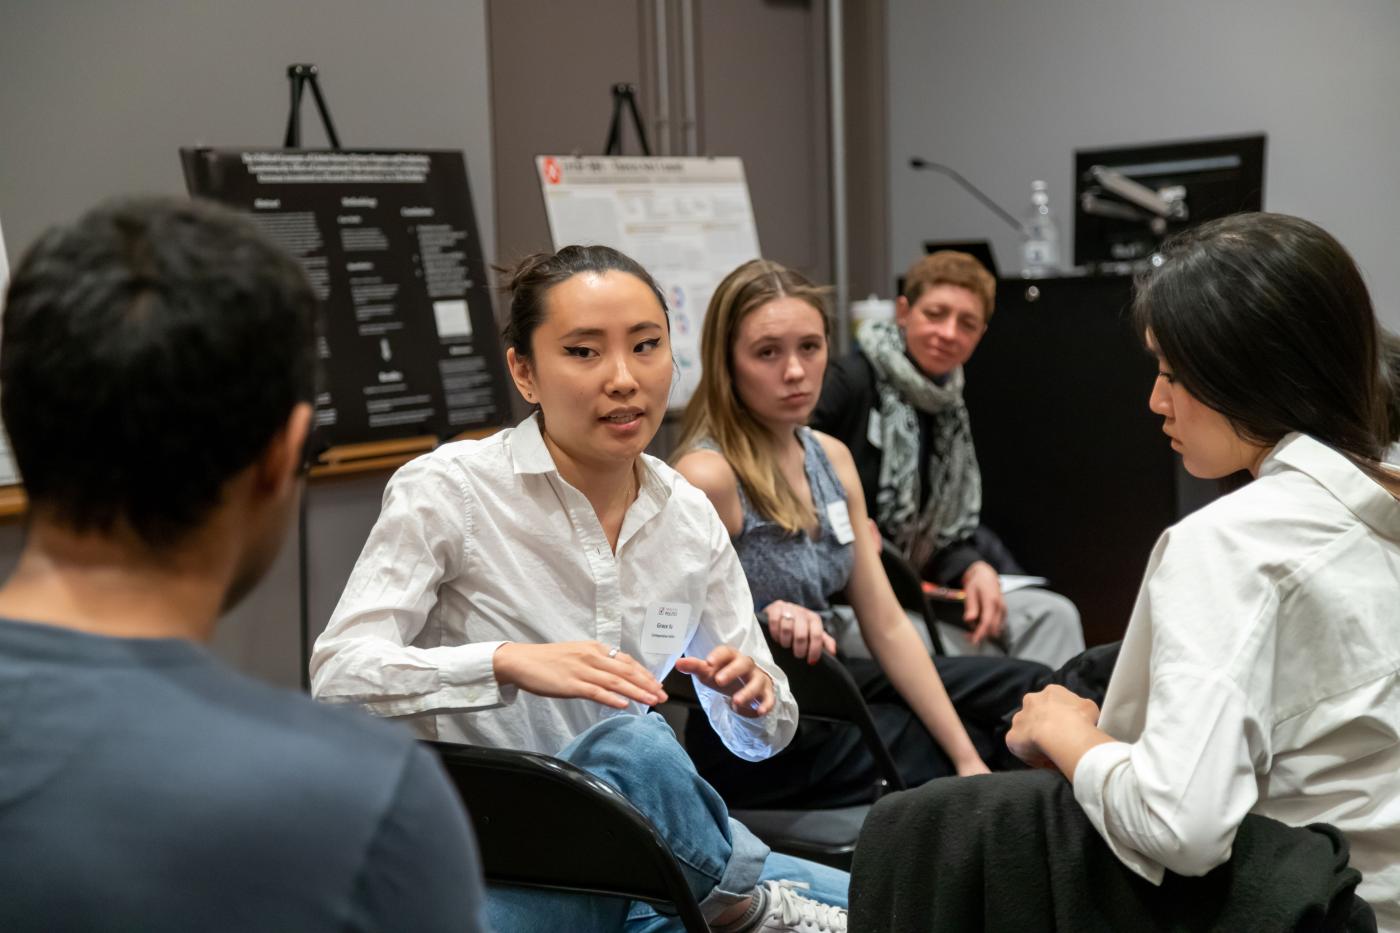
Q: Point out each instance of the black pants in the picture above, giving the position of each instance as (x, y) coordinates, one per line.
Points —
(1015, 852)
(828, 765)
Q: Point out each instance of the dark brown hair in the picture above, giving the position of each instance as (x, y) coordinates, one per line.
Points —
(532, 278)
(1266, 319)
(153, 348)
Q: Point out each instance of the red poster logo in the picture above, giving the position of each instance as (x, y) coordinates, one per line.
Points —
(551, 171)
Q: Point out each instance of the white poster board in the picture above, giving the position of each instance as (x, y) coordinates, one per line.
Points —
(8, 474)
(688, 221)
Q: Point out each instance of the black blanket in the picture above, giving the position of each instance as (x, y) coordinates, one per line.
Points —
(1014, 852)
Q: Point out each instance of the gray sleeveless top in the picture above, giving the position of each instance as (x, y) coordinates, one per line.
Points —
(795, 567)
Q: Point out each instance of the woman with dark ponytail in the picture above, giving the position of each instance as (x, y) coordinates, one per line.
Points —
(532, 590)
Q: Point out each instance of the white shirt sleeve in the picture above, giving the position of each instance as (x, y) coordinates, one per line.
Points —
(728, 619)
(366, 655)
(1174, 798)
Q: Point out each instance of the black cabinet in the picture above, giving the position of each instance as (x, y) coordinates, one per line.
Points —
(1077, 477)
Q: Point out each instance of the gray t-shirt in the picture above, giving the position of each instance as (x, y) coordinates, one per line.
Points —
(145, 786)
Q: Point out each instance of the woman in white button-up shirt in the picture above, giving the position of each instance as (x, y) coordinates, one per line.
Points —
(531, 591)
(1260, 672)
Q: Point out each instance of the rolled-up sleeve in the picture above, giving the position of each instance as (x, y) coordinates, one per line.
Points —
(1174, 796)
(728, 619)
(366, 655)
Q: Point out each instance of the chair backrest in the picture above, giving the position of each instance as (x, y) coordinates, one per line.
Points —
(542, 822)
(824, 690)
(909, 591)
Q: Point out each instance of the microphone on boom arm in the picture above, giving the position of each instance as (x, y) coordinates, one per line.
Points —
(925, 165)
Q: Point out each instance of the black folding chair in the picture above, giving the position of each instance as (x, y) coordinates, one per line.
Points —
(543, 823)
(909, 591)
(824, 691)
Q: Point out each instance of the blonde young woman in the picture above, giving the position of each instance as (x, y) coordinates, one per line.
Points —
(792, 503)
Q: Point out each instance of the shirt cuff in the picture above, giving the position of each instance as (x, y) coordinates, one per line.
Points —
(1091, 777)
(752, 739)
(466, 681)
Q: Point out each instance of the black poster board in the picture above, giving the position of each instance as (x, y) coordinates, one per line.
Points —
(389, 240)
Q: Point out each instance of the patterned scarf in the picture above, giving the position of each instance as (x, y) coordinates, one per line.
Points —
(953, 479)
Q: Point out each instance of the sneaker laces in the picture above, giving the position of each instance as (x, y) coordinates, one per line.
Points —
(794, 907)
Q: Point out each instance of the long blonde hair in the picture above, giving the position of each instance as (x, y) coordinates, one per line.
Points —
(715, 410)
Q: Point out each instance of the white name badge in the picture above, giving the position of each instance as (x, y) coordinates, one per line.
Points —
(840, 521)
(665, 627)
(875, 430)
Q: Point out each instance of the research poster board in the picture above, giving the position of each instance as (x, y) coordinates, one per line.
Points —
(9, 475)
(688, 221)
(389, 241)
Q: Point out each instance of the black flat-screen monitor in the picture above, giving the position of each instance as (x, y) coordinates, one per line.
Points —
(1209, 177)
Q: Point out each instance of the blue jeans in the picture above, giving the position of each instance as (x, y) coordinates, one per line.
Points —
(722, 861)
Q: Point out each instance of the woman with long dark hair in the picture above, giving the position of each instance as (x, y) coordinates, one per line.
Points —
(1260, 672)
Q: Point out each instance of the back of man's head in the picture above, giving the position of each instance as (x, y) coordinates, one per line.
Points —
(151, 351)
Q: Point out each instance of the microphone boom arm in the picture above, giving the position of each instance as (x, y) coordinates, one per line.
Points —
(970, 188)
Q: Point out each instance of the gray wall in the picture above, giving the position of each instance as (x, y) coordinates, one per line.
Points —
(96, 98)
(1007, 90)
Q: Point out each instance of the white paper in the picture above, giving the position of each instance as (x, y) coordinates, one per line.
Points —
(688, 221)
(664, 628)
(840, 518)
(1011, 582)
(875, 430)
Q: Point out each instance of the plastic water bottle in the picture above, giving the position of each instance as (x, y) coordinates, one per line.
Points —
(1040, 248)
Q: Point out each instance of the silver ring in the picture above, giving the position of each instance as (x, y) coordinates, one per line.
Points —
(612, 652)
(787, 615)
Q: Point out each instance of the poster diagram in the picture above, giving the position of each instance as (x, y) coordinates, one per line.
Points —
(688, 221)
(389, 241)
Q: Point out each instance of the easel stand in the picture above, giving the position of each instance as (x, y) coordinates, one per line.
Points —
(300, 76)
(624, 98)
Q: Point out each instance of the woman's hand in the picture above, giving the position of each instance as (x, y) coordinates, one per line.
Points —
(985, 607)
(749, 688)
(800, 629)
(1050, 715)
(577, 670)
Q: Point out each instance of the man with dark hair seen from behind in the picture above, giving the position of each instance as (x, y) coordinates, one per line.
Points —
(156, 375)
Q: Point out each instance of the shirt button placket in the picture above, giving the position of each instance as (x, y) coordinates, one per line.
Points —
(607, 622)
(609, 600)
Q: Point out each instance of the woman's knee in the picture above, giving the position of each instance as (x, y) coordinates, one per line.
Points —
(621, 743)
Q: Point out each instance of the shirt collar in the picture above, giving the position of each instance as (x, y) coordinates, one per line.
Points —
(1362, 495)
(529, 454)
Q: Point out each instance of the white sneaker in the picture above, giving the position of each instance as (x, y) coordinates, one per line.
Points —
(792, 912)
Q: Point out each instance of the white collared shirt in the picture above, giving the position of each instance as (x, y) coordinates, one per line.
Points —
(1260, 673)
(483, 542)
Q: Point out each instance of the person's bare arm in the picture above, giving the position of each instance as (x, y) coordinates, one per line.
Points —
(791, 625)
(709, 472)
(888, 632)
